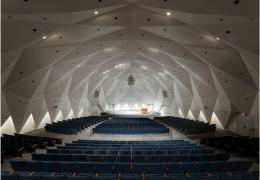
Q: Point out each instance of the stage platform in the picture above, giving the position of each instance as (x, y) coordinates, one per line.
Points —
(132, 114)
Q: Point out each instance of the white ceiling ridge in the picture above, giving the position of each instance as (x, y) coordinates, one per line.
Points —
(233, 77)
(169, 66)
(195, 92)
(7, 84)
(177, 97)
(227, 44)
(145, 28)
(111, 58)
(77, 6)
(149, 87)
(162, 38)
(163, 85)
(43, 83)
(180, 82)
(211, 65)
(18, 18)
(54, 46)
(153, 60)
(233, 50)
(101, 14)
(50, 34)
(195, 74)
(81, 42)
(54, 61)
(174, 12)
(82, 81)
(100, 11)
(204, 6)
(26, 45)
(208, 89)
(65, 76)
(221, 91)
(11, 65)
(162, 14)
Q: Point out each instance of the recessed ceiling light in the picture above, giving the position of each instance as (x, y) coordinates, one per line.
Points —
(144, 67)
(95, 12)
(44, 37)
(168, 13)
(217, 38)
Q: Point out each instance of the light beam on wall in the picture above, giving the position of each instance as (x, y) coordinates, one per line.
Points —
(70, 115)
(202, 117)
(190, 115)
(81, 112)
(8, 127)
(180, 114)
(215, 120)
(117, 107)
(46, 119)
(29, 125)
(59, 117)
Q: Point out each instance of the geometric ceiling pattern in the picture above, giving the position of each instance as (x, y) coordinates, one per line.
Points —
(57, 53)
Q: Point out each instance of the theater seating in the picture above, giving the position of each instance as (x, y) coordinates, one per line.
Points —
(47, 176)
(132, 157)
(187, 126)
(130, 160)
(72, 126)
(130, 126)
(245, 146)
(16, 145)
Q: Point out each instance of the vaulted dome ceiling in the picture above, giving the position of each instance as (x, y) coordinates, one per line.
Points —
(57, 53)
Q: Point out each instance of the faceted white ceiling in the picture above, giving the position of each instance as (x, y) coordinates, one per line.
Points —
(57, 53)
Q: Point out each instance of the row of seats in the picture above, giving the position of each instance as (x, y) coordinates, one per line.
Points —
(72, 126)
(47, 176)
(164, 142)
(116, 145)
(130, 126)
(244, 145)
(15, 145)
(187, 126)
(129, 158)
(154, 151)
(113, 148)
(133, 151)
(126, 168)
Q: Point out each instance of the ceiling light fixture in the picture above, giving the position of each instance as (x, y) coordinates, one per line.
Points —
(161, 74)
(217, 38)
(44, 37)
(95, 12)
(168, 13)
(154, 50)
(144, 67)
(107, 71)
(107, 50)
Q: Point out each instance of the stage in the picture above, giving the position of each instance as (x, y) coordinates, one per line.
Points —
(132, 113)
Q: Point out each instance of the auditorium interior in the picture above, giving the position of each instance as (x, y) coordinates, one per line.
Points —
(129, 90)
